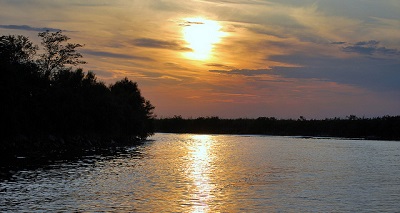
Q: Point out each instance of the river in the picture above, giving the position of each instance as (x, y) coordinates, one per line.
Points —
(216, 173)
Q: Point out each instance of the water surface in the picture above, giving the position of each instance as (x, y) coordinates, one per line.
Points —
(217, 173)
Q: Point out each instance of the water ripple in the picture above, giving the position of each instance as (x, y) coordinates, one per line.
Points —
(216, 173)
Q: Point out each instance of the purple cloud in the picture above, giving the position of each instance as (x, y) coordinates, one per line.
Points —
(161, 44)
(29, 28)
(370, 48)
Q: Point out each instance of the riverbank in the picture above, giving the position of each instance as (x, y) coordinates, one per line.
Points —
(379, 128)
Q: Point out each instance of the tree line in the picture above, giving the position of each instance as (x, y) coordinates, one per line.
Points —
(382, 128)
(48, 104)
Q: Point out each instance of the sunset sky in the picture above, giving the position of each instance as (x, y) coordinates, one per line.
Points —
(234, 58)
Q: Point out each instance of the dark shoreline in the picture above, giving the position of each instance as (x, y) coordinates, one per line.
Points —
(290, 136)
(23, 152)
(352, 127)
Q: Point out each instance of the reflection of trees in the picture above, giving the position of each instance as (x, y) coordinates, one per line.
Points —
(42, 96)
(386, 127)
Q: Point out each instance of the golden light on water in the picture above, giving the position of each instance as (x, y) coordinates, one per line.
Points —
(201, 35)
(200, 171)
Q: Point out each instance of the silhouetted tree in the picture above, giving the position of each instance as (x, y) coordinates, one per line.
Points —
(20, 83)
(42, 97)
(16, 49)
(133, 108)
(56, 54)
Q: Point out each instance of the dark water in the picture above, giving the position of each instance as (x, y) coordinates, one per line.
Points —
(216, 173)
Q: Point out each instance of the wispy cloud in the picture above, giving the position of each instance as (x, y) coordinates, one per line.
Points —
(29, 28)
(379, 74)
(338, 42)
(103, 73)
(115, 55)
(190, 23)
(245, 72)
(370, 48)
(161, 44)
(223, 66)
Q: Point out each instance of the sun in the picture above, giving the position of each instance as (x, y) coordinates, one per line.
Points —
(201, 34)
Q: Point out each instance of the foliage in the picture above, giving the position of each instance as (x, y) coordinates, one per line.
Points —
(56, 54)
(386, 127)
(16, 49)
(133, 108)
(42, 98)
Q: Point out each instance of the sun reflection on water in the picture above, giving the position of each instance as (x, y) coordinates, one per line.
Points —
(199, 171)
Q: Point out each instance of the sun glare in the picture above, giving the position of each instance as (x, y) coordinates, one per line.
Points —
(200, 171)
(201, 34)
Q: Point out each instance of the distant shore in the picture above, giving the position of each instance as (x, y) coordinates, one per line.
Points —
(379, 128)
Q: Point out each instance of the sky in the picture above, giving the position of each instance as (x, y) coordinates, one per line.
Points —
(234, 58)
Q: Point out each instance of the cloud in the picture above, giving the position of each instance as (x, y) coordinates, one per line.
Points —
(223, 66)
(370, 48)
(269, 32)
(103, 73)
(177, 66)
(29, 28)
(115, 55)
(245, 72)
(371, 66)
(93, 4)
(190, 23)
(379, 74)
(168, 77)
(338, 42)
(161, 44)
